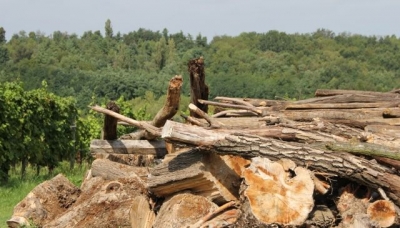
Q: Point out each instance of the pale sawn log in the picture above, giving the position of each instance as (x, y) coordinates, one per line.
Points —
(140, 147)
(341, 164)
(227, 105)
(141, 214)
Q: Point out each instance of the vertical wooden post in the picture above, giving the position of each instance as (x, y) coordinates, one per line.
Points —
(110, 123)
(198, 87)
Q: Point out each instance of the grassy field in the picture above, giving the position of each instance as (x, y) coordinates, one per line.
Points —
(16, 189)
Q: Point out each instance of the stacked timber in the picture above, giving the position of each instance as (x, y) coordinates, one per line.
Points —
(328, 161)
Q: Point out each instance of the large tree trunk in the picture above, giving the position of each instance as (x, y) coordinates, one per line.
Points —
(338, 163)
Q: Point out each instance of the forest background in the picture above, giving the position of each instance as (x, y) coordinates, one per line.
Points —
(48, 81)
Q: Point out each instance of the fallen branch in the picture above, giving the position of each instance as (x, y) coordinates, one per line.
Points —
(226, 105)
(193, 108)
(140, 124)
(235, 100)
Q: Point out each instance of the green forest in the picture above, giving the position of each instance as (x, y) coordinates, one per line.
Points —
(55, 77)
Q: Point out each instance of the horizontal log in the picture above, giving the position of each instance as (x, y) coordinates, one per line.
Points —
(346, 98)
(128, 147)
(341, 164)
(391, 113)
(328, 92)
(342, 105)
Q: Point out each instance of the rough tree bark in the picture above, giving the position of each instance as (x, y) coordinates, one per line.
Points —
(198, 87)
(110, 123)
(338, 163)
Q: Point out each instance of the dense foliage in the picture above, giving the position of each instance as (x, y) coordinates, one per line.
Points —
(135, 68)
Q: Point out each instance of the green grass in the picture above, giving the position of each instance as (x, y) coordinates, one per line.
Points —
(16, 189)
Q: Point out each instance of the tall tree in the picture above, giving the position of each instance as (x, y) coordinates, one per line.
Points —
(109, 30)
(2, 35)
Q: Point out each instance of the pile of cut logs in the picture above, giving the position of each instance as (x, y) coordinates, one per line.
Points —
(328, 161)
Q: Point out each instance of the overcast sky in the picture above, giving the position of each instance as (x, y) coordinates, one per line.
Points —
(208, 17)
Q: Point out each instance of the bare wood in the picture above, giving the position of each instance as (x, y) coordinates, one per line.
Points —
(212, 214)
(110, 170)
(183, 210)
(265, 102)
(193, 108)
(110, 123)
(338, 163)
(207, 175)
(388, 130)
(341, 105)
(346, 98)
(141, 215)
(140, 124)
(191, 120)
(235, 113)
(143, 147)
(327, 92)
(226, 105)
(235, 100)
(198, 87)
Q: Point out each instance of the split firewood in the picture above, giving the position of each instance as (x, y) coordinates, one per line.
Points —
(276, 198)
(110, 170)
(141, 214)
(198, 87)
(193, 108)
(206, 175)
(45, 202)
(341, 164)
(183, 210)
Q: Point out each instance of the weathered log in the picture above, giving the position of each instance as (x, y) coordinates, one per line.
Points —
(391, 131)
(341, 164)
(183, 210)
(235, 100)
(110, 170)
(45, 202)
(327, 92)
(141, 214)
(207, 175)
(226, 105)
(342, 105)
(110, 123)
(346, 98)
(193, 108)
(198, 87)
(140, 124)
(132, 159)
(170, 108)
(140, 147)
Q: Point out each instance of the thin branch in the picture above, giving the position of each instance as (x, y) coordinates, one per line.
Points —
(253, 109)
